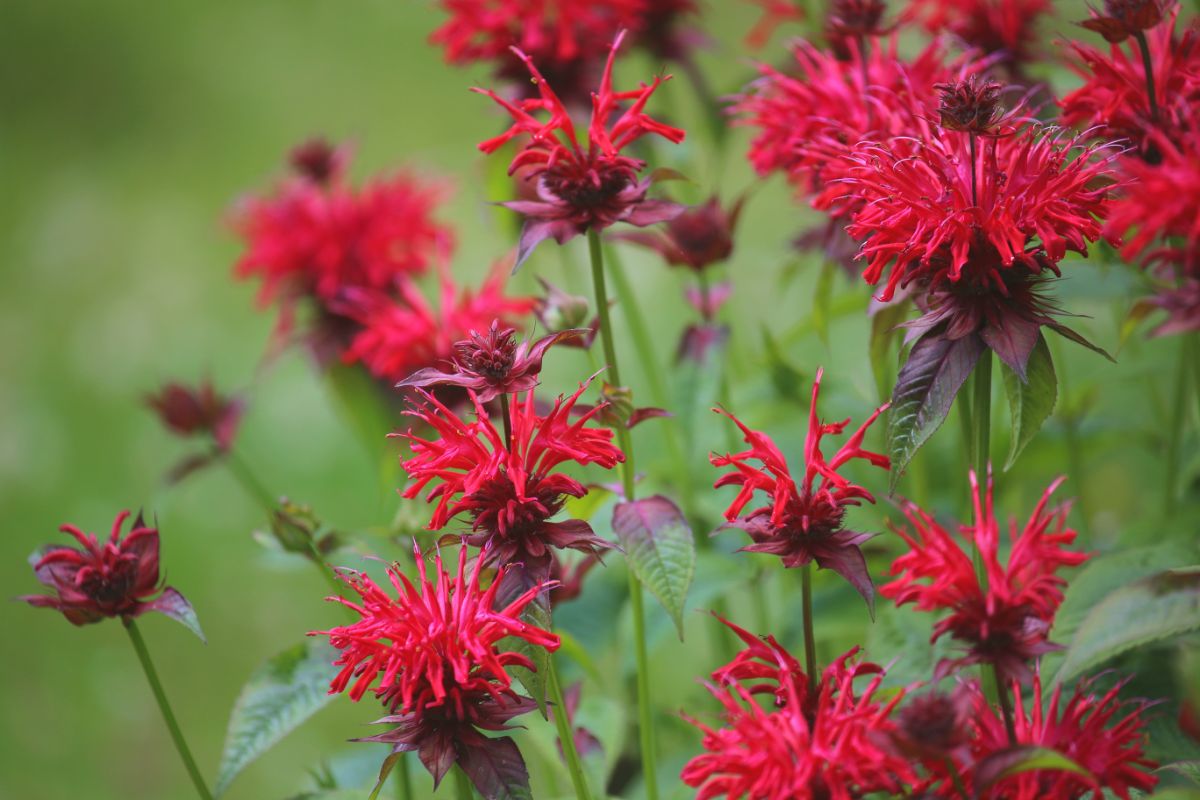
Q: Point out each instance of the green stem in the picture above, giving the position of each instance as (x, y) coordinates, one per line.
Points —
(1175, 433)
(981, 416)
(1005, 706)
(565, 737)
(403, 779)
(810, 642)
(253, 486)
(956, 779)
(1148, 67)
(645, 715)
(1070, 421)
(507, 420)
(139, 646)
(462, 784)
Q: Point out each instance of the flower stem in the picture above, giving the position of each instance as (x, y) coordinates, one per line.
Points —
(253, 486)
(1148, 67)
(1005, 706)
(507, 420)
(462, 784)
(1175, 433)
(403, 779)
(974, 173)
(565, 737)
(955, 778)
(810, 642)
(981, 415)
(645, 715)
(139, 646)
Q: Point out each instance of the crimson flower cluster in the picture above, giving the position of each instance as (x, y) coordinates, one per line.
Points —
(581, 189)
(510, 490)
(803, 522)
(819, 741)
(1005, 619)
(432, 655)
(114, 578)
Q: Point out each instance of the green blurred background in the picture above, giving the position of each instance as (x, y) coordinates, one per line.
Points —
(126, 131)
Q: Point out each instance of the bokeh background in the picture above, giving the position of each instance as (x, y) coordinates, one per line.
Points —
(126, 131)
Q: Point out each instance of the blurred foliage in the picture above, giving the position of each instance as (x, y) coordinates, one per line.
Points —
(128, 129)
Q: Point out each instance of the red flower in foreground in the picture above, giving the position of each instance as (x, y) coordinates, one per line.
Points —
(491, 365)
(431, 654)
(400, 336)
(1098, 732)
(827, 745)
(580, 189)
(116, 578)
(189, 411)
(511, 493)
(803, 522)
(1006, 624)
(1007, 29)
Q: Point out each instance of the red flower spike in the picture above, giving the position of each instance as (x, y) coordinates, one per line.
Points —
(1099, 732)
(1124, 18)
(1008, 623)
(400, 336)
(1003, 29)
(580, 189)
(699, 237)
(511, 493)
(115, 578)
(803, 523)
(492, 365)
(317, 236)
(823, 746)
(193, 411)
(431, 654)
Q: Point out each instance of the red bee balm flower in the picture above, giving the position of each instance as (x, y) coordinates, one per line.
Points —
(492, 365)
(580, 189)
(1087, 729)
(699, 237)
(189, 411)
(1006, 29)
(510, 492)
(1006, 624)
(431, 655)
(822, 745)
(803, 523)
(117, 578)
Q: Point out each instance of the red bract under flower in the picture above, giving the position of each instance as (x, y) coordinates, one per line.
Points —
(491, 365)
(582, 188)
(802, 746)
(431, 654)
(803, 522)
(511, 493)
(116, 578)
(317, 235)
(1006, 624)
(401, 336)
(190, 411)
(1098, 732)
(1007, 29)
(1113, 102)
(811, 115)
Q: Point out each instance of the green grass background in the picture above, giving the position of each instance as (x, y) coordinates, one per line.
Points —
(125, 132)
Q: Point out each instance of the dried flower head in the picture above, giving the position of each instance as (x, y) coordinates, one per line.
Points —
(971, 105)
(1005, 622)
(803, 521)
(1124, 18)
(199, 410)
(582, 188)
(115, 578)
(432, 655)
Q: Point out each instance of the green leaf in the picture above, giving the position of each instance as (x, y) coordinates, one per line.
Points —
(822, 300)
(1016, 760)
(925, 388)
(176, 606)
(1030, 401)
(280, 695)
(1150, 610)
(787, 379)
(658, 545)
(537, 614)
(1079, 338)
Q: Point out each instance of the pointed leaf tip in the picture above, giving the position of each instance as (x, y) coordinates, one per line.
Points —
(659, 547)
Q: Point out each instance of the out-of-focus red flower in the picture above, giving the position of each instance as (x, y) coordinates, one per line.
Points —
(199, 410)
(316, 235)
(582, 188)
(400, 335)
(115, 578)
(1114, 102)
(663, 30)
(431, 654)
(510, 492)
(774, 14)
(699, 237)
(568, 577)
(977, 247)
(803, 522)
(803, 745)
(934, 727)
(491, 364)
(1006, 624)
(856, 19)
(1124, 18)
(1005, 29)
(1099, 732)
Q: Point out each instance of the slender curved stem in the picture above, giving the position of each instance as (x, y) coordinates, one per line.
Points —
(636, 601)
(810, 642)
(1148, 68)
(143, 654)
(253, 486)
(566, 737)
